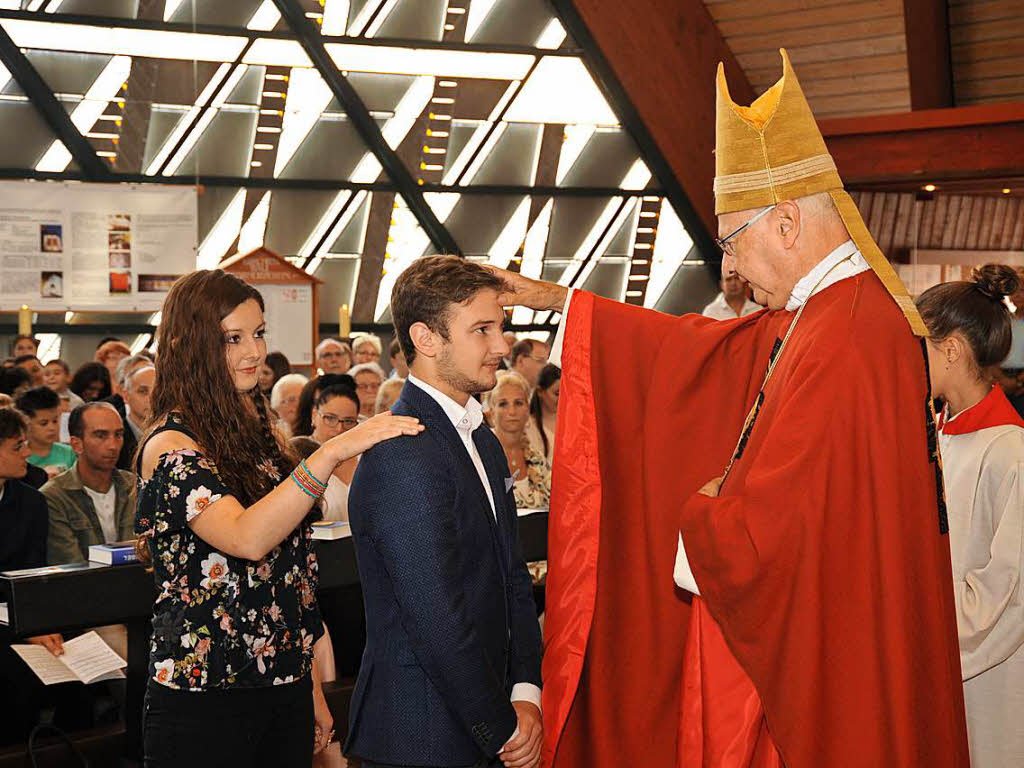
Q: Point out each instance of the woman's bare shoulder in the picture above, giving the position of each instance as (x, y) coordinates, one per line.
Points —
(162, 443)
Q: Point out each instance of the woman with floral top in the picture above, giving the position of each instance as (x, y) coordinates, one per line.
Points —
(509, 413)
(223, 515)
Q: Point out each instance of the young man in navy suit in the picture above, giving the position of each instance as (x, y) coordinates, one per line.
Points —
(451, 671)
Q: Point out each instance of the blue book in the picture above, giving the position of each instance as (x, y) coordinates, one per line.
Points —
(118, 553)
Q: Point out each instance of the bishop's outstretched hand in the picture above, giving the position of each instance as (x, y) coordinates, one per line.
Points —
(527, 292)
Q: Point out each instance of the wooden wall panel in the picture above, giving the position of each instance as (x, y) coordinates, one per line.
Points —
(850, 56)
(988, 50)
(900, 222)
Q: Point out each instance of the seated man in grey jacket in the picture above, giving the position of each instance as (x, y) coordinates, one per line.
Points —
(91, 503)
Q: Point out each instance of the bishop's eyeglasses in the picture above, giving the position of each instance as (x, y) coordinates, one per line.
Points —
(729, 241)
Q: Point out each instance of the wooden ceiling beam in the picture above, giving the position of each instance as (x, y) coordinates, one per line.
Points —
(928, 146)
(929, 61)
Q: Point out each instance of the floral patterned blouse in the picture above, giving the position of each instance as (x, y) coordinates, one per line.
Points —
(221, 621)
(534, 490)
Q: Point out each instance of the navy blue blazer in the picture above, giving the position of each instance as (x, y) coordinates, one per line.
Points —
(451, 624)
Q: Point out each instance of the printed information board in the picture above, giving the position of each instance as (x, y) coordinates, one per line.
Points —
(100, 247)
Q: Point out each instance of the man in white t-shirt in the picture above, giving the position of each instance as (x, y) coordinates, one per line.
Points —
(91, 503)
(733, 301)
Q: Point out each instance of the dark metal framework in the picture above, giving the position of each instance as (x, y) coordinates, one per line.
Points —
(620, 102)
(250, 182)
(253, 34)
(50, 109)
(398, 177)
(313, 44)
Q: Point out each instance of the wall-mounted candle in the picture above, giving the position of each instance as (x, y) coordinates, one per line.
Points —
(344, 322)
(24, 321)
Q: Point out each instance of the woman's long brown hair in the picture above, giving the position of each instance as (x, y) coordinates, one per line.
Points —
(193, 382)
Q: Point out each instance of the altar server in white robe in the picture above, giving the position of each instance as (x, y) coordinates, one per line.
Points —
(981, 438)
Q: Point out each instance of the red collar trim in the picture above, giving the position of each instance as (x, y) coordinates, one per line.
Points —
(993, 411)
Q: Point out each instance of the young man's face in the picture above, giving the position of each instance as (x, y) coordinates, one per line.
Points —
(44, 427)
(469, 359)
(14, 455)
(54, 377)
(35, 370)
(101, 440)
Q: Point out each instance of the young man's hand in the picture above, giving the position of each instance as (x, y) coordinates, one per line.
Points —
(523, 749)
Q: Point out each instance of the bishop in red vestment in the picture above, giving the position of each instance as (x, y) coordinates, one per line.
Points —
(798, 612)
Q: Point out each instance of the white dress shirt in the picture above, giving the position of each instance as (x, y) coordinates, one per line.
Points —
(844, 262)
(466, 419)
(719, 309)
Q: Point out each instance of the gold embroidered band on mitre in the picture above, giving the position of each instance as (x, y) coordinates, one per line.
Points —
(773, 151)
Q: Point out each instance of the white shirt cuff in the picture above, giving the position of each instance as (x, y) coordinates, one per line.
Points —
(681, 574)
(526, 692)
(555, 356)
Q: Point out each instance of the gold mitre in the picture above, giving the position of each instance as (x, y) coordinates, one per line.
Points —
(773, 151)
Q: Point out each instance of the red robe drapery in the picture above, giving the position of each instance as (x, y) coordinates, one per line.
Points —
(826, 630)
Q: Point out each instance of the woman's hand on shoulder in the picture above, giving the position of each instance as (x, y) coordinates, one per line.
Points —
(163, 443)
(383, 426)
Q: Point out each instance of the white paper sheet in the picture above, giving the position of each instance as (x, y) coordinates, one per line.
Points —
(85, 659)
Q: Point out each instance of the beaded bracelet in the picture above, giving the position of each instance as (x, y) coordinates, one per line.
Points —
(307, 481)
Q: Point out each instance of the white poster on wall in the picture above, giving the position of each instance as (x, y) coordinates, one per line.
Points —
(101, 247)
(287, 311)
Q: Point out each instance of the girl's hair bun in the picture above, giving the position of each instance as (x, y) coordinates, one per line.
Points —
(996, 280)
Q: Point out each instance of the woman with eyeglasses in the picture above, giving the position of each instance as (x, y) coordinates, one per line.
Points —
(336, 412)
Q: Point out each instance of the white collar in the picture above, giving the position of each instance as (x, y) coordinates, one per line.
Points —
(465, 419)
(723, 304)
(847, 262)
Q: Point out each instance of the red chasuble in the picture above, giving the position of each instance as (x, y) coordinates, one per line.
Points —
(825, 634)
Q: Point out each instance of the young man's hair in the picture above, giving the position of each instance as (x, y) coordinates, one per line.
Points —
(425, 292)
(12, 422)
(37, 399)
(12, 379)
(522, 348)
(76, 421)
(24, 359)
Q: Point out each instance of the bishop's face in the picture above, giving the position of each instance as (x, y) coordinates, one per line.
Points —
(757, 256)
